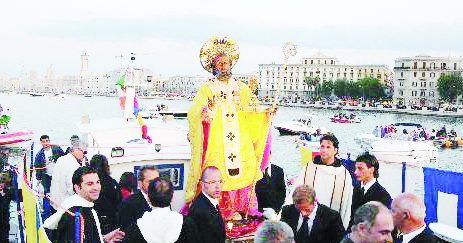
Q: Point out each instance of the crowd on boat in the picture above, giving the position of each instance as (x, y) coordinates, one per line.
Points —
(414, 132)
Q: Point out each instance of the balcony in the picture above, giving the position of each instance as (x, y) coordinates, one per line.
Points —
(401, 68)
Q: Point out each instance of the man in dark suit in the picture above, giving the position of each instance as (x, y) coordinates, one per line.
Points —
(271, 189)
(310, 220)
(408, 213)
(367, 172)
(204, 209)
(134, 206)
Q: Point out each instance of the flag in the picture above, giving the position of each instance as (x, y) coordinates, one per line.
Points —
(136, 109)
(443, 197)
(121, 82)
(306, 155)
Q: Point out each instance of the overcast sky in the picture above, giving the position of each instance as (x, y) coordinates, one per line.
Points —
(167, 35)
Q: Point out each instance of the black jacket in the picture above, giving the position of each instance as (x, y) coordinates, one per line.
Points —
(189, 233)
(211, 227)
(327, 226)
(107, 204)
(375, 193)
(5, 215)
(271, 191)
(132, 209)
(427, 236)
(66, 230)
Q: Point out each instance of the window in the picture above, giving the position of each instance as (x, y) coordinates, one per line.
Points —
(454, 66)
(332, 62)
(432, 75)
(401, 92)
(401, 84)
(311, 61)
(424, 65)
(401, 74)
(415, 64)
(431, 84)
(423, 92)
(414, 74)
(423, 74)
(414, 93)
(431, 93)
(378, 76)
(325, 62)
(403, 65)
(371, 70)
(305, 62)
(318, 61)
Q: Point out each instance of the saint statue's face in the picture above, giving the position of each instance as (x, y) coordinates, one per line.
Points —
(222, 66)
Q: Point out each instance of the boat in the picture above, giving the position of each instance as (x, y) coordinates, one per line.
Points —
(15, 139)
(398, 145)
(35, 94)
(120, 140)
(295, 127)
(175, 114)
(343, 118)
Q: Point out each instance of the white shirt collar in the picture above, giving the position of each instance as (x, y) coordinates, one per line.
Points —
(269, 169)
(311, 218)
(369, 184)
(214, 201)
(408, 237)
(146, 197)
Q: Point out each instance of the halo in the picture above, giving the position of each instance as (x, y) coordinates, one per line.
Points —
(215, 47)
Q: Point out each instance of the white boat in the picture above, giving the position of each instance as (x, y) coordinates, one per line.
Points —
(394, 148)
(120, 140)
(299, 126)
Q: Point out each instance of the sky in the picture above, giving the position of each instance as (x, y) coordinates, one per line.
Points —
(166, 36)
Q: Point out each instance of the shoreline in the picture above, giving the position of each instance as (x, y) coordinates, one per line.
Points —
(458, 114)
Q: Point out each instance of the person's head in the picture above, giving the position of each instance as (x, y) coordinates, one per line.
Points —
(5, 180)
(128, 181)
(274, 232)
(45, 141)
(329, 146)
(304, 199)
(221, 65)
(86, 183)
(408, 212)
(75, 140)
(79, 152)
(100, 163)
(372, 223)
(147, 173)
(366, 168)
(160, 192)
(211, 182)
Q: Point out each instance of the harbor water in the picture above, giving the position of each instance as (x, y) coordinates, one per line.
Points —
(58, 117)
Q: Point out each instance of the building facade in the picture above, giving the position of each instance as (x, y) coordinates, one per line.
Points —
(415, 78)
(291, 80)
(189, 85)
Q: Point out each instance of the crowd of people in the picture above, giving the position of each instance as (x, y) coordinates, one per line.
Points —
(413, 134)
(229, 178)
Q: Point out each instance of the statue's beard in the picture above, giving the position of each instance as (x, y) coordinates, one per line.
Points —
(221, 75)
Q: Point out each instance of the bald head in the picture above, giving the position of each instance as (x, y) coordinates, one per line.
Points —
(408, 212)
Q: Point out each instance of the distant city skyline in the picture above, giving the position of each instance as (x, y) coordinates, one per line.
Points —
(167, 35)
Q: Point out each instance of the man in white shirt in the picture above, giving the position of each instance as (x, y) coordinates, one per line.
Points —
(61, 185)
(312, 221)
(408, 213)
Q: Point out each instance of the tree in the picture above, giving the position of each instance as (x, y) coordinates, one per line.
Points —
(327, 88)
(312, 82)
(340, 88)
(450, 87)
(371, 88)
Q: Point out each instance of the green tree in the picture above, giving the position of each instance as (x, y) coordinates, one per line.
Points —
(371, 88)
(327, 88)
(353, 89)
(312, 82)
(340, 88)
(450, 87)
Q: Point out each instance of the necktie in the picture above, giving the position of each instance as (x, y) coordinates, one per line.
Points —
(400, 238)
(303, 233)
(362, 190)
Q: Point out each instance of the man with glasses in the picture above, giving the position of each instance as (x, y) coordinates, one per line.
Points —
(61, 185)
(204, 209)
